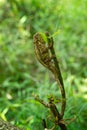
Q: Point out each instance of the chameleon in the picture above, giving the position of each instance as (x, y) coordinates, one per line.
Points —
(43, 52)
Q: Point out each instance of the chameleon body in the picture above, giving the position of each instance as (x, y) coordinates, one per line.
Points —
(43, 52)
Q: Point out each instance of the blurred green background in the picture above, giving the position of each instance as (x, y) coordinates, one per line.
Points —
(21, 75)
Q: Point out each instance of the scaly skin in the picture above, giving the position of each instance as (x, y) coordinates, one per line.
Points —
(42, 52)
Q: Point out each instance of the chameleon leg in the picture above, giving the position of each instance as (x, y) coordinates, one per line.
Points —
(50, 40)
(45, 50)
(50, 58)
(50, 45)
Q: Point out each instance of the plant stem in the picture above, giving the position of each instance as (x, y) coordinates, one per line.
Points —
(62, 126)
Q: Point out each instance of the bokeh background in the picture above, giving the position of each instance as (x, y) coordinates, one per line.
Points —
(21, 75)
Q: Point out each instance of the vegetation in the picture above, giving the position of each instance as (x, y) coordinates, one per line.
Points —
(21, 75)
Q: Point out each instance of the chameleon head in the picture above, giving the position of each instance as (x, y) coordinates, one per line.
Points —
(38, 38)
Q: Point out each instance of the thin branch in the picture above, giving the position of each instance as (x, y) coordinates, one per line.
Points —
(42, 102)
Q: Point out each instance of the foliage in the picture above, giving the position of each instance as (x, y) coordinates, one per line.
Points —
(19, 20)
